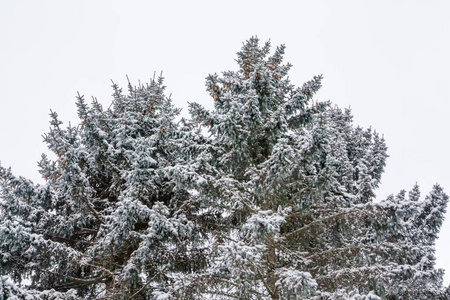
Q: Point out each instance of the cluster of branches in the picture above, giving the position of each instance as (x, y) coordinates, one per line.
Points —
(268, 196)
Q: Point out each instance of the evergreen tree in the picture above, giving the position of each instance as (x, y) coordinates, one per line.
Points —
(291, 183)
(268, 196)
(112, 221)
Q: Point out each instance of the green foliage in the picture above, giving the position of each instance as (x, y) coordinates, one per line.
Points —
(268, 196)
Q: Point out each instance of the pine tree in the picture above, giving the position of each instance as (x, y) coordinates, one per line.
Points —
(291, 183)
(112, 220)
(268, 196)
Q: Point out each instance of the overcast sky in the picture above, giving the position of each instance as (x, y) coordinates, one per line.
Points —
(388, 60)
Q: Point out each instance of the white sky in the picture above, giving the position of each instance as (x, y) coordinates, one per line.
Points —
(388, 60)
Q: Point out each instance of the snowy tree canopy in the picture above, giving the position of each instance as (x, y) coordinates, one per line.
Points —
(270, 195)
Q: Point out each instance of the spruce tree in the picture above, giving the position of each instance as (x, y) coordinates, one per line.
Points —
(292, 182)
(112, 220)
(268, 196)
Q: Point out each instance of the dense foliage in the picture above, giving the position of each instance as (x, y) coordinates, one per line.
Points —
(268, 196)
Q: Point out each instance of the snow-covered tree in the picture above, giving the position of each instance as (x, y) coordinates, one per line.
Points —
(291, 182)
(112, 220)
(268, 196)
